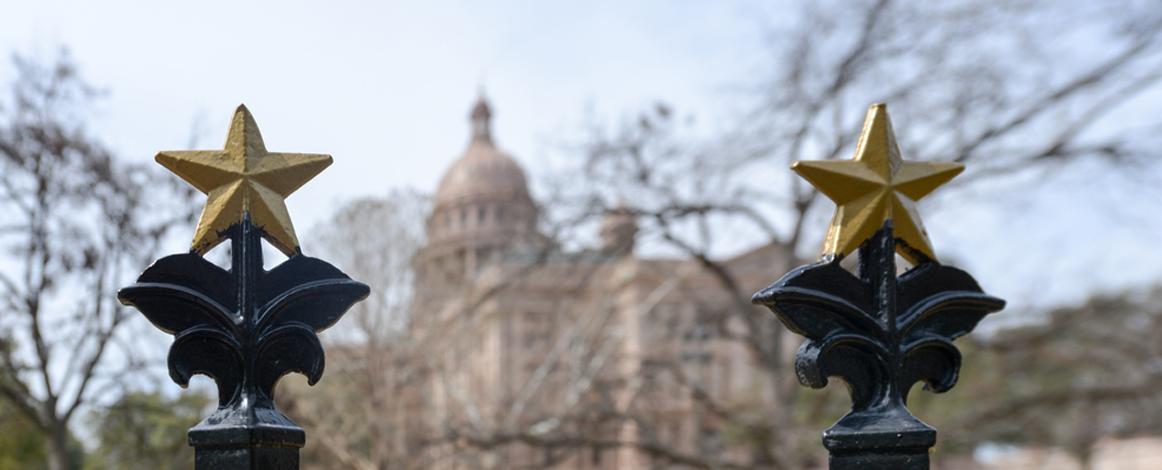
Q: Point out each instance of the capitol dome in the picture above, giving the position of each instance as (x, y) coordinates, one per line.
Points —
(482, 209)
(483, 170)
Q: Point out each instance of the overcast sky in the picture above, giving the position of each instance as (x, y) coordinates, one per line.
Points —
(385, 88)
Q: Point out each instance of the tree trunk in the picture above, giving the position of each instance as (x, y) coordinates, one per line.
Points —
(1086, 461)
(57, 450)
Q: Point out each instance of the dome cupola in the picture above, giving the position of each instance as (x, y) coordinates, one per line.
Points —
(483, 171)
(482, 207)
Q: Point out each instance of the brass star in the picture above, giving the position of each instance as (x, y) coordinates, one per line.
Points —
(875, 186)
(243, 178)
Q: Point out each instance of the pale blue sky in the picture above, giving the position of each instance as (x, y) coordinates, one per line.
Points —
(385, 88)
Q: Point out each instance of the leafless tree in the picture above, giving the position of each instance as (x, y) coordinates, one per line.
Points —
(374, 240)
(370, 412)
(987, 83)
(1086, 374)
(979, 83)
(354, 414)
(75, 225)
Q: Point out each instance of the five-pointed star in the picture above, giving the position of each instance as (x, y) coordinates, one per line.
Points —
(243, 178)
(875, 186)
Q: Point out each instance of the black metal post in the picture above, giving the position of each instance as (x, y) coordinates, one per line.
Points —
(881, 334)
(886, 435)
(245, 328)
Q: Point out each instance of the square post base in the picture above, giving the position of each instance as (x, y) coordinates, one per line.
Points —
(895, 443)
(865, 461)
(255, 447)
(253, 457)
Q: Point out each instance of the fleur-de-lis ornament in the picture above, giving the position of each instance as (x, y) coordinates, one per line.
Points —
(244, 327)
(879, 332)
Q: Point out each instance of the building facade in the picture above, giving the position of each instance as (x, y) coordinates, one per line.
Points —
(550, 358)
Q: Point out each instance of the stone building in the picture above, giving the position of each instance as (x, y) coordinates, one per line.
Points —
(543, 357)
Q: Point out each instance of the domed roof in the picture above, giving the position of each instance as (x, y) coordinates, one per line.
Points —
(483, 170)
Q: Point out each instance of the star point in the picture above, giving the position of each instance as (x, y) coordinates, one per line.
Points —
(244, 178)
(874, 186)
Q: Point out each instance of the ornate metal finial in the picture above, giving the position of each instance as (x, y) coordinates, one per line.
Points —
(244, 327)
(878, 332)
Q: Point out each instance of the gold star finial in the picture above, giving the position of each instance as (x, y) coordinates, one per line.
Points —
(876, 185)
(243, 178)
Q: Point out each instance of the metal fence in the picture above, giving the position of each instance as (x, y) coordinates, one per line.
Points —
(879, 331)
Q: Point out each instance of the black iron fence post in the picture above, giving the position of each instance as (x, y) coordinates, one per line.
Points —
(244, 327)
(878, 331)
